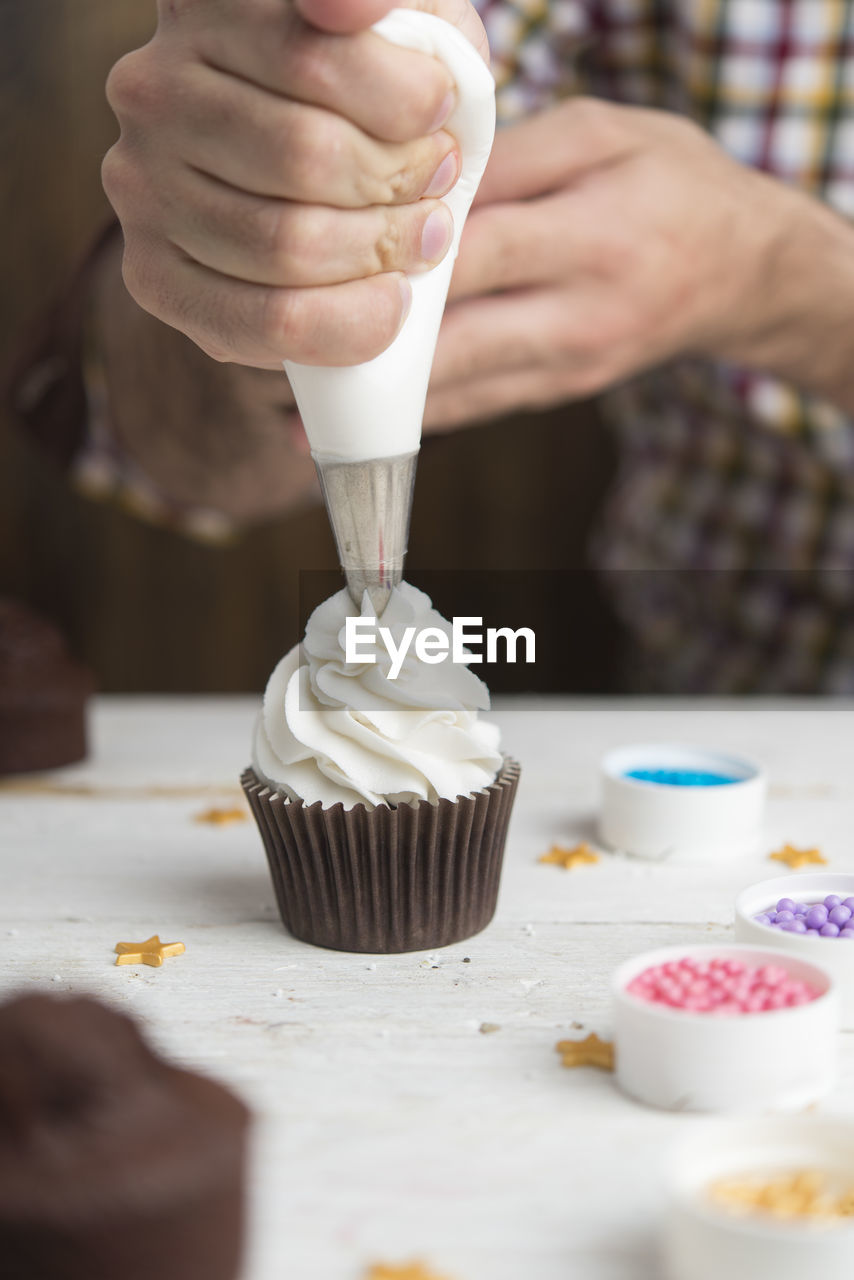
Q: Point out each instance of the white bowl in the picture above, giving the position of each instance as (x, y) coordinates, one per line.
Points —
(783, 1059)
(685, 823)
(704, 1242)
(834, 954)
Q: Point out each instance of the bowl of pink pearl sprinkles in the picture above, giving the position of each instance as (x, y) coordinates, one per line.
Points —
(809, 915)
(760, 1200)
(724, 1028)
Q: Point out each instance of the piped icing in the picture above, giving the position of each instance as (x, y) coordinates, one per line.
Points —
(339, 732)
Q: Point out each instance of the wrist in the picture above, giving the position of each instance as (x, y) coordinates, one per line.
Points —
(793, 300)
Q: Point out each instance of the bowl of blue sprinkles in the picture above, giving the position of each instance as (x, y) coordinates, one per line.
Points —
(682, 802)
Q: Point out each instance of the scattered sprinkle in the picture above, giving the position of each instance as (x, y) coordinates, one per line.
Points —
(216, 817)
(487, 1028)
(402, 1271)
(590, 1052)
(152, 951)
(579, 855)
(795, 858)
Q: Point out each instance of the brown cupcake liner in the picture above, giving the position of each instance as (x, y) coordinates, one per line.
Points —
(385, 880)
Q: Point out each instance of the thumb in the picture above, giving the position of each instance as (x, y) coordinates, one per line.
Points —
(559, 146)
(343, 17)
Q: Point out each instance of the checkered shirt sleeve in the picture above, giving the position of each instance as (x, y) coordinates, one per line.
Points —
(728, 537)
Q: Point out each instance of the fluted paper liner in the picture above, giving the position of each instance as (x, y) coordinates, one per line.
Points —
(384, 880)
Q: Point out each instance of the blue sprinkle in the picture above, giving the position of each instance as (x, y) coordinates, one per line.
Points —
(681, 777)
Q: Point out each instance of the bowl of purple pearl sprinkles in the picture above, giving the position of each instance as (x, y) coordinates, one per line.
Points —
(761, 1200)
(810, 915)
(685, 803)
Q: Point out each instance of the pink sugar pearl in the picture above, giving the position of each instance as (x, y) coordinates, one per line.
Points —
(724, 987)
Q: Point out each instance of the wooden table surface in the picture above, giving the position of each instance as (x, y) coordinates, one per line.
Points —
(407, 1106)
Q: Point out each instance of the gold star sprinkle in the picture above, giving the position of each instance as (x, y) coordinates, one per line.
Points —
(795, 858)
(577, 856)
(591, 1052)
(152, 951)
(221, 817)
(402, 1271)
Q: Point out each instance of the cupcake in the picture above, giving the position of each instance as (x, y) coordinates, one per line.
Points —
(43, 694)
(381, 795)
(113, 1163)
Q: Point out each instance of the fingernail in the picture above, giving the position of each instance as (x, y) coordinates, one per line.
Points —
(445, 176)
(436, 234)
(443, 114)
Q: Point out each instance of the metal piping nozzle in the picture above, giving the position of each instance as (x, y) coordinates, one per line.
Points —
(369, 503)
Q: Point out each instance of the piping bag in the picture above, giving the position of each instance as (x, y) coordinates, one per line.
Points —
(363, 422)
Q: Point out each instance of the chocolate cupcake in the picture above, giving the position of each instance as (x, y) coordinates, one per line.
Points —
(43, 694)
(380, 794)
(112, 1162)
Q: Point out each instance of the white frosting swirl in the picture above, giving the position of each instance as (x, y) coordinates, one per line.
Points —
(344, 732)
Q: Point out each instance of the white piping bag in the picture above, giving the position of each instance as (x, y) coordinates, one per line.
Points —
(363, 422)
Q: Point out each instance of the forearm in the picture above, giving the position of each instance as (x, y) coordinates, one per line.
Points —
(206, 435)
(797, 320)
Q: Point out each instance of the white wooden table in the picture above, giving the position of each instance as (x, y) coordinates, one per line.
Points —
(392, 1121)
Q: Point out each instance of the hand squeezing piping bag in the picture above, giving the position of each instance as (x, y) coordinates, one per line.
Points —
(363, 422)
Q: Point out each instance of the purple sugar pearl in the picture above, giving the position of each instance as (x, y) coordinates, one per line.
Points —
(831, 918)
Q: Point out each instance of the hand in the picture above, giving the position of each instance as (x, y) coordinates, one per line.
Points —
(218, 436)
(275, 181)
(604, 240)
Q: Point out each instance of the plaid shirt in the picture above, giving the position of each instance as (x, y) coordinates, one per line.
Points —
(728, 536)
